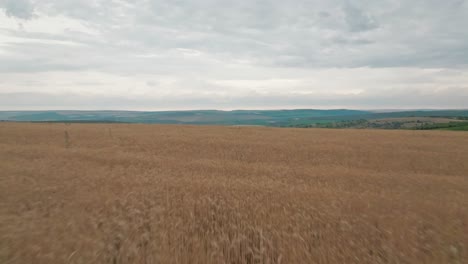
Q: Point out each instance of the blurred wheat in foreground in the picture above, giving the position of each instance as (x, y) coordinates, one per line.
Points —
(182, 194)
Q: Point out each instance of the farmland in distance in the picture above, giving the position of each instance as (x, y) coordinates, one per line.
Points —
(128, 193)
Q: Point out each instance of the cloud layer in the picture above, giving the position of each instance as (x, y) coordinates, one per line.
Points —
(145, 54)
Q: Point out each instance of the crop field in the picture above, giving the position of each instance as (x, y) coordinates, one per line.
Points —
(118, 193)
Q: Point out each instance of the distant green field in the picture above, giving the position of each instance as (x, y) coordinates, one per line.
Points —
(457, 128)
(454, 126)
(426, 123)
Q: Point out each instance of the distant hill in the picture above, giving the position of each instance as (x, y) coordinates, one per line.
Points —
(237, 117)
(297, 117)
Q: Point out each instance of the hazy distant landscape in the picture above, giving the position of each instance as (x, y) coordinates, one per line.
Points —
(337, 118)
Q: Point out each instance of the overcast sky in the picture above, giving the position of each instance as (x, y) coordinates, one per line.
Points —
(225, 54)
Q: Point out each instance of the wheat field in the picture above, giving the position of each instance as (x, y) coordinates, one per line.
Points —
(118, 193)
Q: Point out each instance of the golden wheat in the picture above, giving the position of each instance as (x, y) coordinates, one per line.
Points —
(116, 193)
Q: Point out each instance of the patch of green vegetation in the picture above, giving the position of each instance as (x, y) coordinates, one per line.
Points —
(396, 124)
(456, 126)
(360, 123)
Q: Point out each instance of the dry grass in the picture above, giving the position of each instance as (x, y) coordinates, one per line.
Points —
(181, 194)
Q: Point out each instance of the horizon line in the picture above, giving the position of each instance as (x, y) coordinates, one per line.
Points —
(237, 109)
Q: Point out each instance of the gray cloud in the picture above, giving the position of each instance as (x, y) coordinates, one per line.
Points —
(357, 20)
(409, 33)
(183, 45)
(18, 8)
